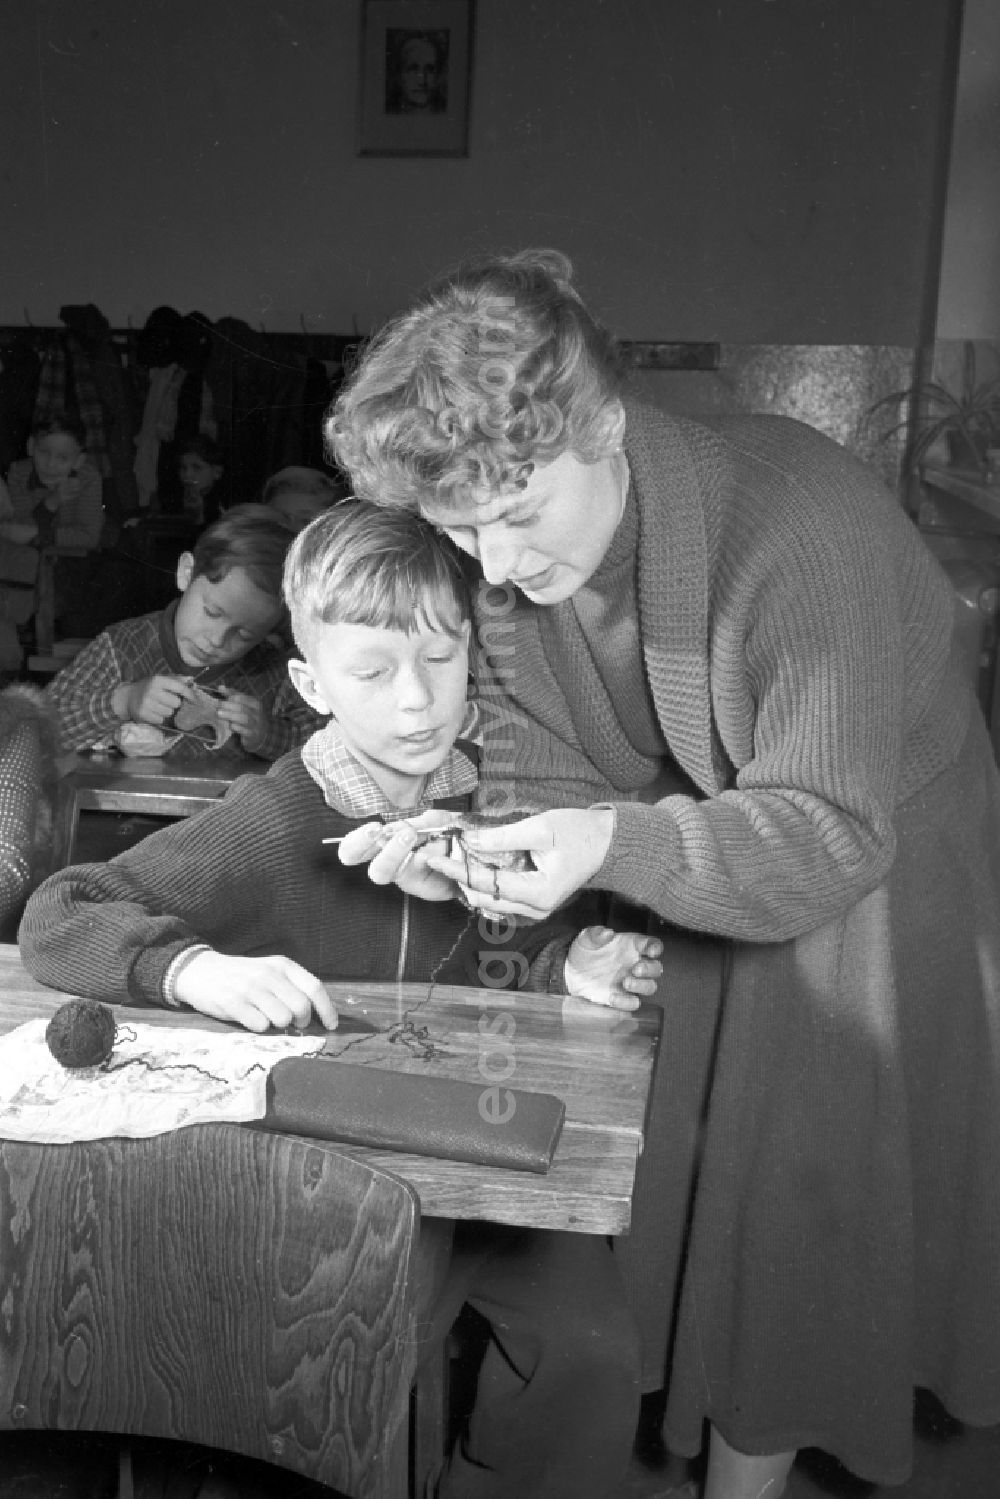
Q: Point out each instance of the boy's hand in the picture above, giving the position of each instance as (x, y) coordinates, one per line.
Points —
(150, 700)
(257, 993)
(613, 968)
(396, 858)
(69, 488)
(244, 716)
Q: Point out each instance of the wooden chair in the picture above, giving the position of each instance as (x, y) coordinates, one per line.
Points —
(46, 658)
(220, 1285)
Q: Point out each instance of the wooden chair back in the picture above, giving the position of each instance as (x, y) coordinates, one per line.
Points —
(148, 787)
(219, 1285)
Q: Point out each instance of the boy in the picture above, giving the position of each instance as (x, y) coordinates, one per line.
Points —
(55, 492)
(241, 911)
(300, 494)
(210, 655)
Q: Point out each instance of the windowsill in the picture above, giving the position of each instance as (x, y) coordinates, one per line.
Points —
(965, 484)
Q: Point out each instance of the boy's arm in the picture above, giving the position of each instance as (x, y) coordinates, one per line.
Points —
(104, 932)
(110, 931)
(84, 513)
(83, 694)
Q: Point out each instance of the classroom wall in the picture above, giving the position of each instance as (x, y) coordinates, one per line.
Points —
(969, 302)
(750, 171)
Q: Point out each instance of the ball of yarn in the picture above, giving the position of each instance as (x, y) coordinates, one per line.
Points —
(81, 1033)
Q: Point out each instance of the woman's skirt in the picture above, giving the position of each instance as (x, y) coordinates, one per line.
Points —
(816, 1227)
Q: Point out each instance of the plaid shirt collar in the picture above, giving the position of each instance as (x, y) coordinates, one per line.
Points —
(349, 788)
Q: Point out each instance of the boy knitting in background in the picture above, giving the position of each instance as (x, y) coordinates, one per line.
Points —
(207, 671)
(243, 910)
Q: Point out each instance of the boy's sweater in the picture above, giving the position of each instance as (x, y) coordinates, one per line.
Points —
(146, 646)
(252, 877)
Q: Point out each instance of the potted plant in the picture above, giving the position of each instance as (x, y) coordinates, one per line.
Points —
(965, 423)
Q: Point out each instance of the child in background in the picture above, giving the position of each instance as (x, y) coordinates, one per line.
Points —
(208, 654)
(55, 492)
(300, 494)
(381, 615)
(52, 502)
(200, 469)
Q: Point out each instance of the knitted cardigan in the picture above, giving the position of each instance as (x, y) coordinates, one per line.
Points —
(252, 876)
(815, 1220)
(796, 638)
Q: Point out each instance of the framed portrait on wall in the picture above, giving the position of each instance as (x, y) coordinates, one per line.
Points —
(416, 71)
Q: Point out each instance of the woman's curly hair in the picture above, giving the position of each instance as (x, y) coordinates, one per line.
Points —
(497, 367)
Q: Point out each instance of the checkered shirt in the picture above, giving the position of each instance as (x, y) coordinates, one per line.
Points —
(349, 788)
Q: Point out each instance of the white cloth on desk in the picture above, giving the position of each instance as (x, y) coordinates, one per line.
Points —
(156, 1079)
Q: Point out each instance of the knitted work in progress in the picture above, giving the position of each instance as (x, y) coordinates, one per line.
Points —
(454, 830)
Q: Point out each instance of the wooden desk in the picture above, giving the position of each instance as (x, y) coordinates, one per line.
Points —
(599, 1061)
(155, 787)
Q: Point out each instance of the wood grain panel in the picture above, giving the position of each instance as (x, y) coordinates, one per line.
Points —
(219, 1285)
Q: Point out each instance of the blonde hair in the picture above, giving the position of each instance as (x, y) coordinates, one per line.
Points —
(497, 367)
(360, 564)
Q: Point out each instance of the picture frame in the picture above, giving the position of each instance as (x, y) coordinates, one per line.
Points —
(416, 77)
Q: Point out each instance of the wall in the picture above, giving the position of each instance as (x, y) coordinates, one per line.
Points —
(752, 171)
(969, 303)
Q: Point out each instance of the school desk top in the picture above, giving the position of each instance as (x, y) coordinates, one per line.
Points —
(600, 1062)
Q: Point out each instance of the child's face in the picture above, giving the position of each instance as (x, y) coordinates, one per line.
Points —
(220, 622)
(398, 700)
(55, 457)
(298, 508)
(197, 474)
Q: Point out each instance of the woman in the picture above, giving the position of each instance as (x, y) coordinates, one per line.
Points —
(722, 655)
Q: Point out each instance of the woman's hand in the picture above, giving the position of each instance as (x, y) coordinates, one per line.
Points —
(257, 993)
(613, 968)
(400, 860)
(567, 847)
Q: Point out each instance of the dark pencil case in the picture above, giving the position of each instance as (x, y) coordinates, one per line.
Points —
(435, 1116)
